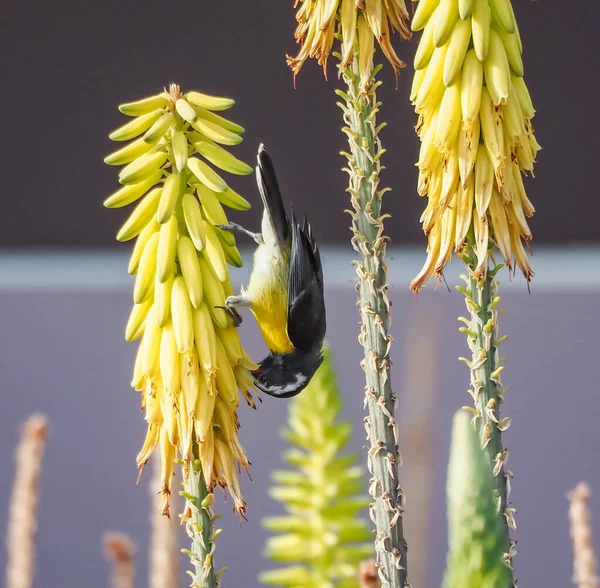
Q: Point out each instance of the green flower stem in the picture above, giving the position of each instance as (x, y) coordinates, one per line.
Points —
(485, 366)
(360, 108)
(199, 519)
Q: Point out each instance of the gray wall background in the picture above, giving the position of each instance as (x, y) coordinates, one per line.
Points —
(63, 353)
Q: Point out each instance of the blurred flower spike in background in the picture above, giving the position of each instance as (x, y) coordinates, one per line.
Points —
(476, 134)
(322, 538)
(190, 361)
(361, 22)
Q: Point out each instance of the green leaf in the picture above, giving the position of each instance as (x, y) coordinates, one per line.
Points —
(476, 534)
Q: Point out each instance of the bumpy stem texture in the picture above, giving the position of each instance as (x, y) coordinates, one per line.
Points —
(486, 388)
(360, 110)
(198, 517)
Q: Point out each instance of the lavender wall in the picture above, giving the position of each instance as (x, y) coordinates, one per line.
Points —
(63, 353)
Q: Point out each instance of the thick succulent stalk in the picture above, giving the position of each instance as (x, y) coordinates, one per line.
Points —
(485, 366)
(199, 517)
(360, 110)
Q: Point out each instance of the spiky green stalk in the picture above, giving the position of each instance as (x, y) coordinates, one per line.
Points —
(360, 109)
(477, 537)
(199, 518)
(322, 538)
(486, 389)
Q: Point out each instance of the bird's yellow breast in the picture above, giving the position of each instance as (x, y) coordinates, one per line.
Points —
(268, 292)
(270, 311)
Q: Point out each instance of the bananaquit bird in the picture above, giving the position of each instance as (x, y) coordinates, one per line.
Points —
(285, 292)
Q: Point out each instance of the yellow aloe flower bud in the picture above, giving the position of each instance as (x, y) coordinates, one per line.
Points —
(191, 363)
(477, 140)
(356, 22)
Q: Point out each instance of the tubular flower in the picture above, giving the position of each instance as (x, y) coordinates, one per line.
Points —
(476, 134)
(190, 362)
(360, 22)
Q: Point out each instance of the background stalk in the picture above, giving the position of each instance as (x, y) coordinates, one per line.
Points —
(199, 518)
(119, 550)
(24, 504)
(585, 565)
(481, 329)
(163, 556)
(360, 110)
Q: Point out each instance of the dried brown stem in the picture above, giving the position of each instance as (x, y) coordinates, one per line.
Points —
(164, 554)
(119, 549)
(22, 515)
(585, 568)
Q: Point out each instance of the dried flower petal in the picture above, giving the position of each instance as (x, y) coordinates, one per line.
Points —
(319, 20)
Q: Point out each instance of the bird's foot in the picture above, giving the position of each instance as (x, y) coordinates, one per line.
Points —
(230, 308)
(235, 228)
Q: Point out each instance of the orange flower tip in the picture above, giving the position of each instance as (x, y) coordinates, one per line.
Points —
(240, 509)
(36, 427)
(118, 547)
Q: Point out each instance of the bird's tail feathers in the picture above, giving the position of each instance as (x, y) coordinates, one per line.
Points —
(268, 186)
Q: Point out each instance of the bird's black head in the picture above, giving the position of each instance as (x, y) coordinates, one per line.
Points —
(285, 375)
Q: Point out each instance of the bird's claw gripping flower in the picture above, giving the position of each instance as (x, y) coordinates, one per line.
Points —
(190, 362)
(359, 22)
(476, 134)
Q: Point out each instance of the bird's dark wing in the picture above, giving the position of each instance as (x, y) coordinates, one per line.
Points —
(315, 250)
(268, 186)
(306, 305)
